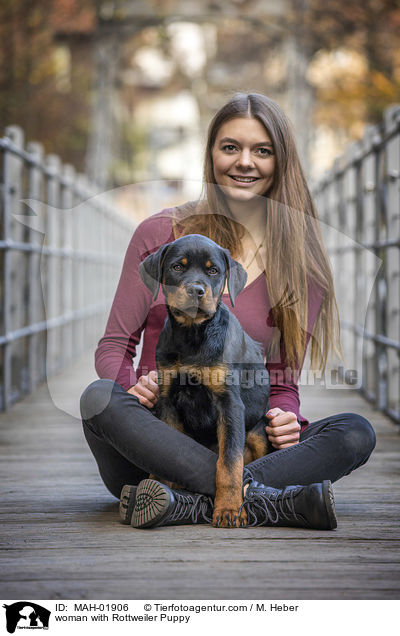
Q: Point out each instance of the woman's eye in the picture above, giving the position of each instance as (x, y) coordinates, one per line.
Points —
(177, 267)
(229, 147)
(212, 271)
(265, 152)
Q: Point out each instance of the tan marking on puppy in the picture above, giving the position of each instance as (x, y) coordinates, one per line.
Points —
(209, 302)
(174, 423)
(256, 447)
(213, 377)
(178, 299)
(228, 481)
(208, 263)
(184, 260)
(166, 376)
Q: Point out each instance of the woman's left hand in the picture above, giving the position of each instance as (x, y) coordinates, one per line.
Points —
(283, 429)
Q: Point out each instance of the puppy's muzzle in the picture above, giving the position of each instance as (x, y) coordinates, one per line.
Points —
(193, 299)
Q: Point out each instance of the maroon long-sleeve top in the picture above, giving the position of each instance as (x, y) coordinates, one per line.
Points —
(134, 310)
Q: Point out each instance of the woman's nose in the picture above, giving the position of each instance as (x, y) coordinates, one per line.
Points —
(245, 159)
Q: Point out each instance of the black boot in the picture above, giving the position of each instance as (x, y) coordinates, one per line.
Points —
(158, 505)
(127, 503)
(297, 506)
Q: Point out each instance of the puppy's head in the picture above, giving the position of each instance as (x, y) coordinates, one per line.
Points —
(192, 271)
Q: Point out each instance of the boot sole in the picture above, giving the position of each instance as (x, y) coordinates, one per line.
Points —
(329, 503)
(127, 503)
(152, 503)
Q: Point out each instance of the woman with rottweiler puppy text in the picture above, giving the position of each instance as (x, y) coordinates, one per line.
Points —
(255, 203)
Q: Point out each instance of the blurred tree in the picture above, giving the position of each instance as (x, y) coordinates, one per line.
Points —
(370, 29)
(45, 72)
(69, 73)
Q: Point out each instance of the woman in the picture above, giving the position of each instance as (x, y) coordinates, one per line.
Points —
(255, 203)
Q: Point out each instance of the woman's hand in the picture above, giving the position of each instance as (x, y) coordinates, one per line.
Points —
(146, 389)
(284, 429)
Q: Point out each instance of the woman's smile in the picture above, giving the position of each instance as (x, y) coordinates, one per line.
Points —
(244, 180)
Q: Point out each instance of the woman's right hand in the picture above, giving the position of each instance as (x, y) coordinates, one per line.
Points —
(146, 389)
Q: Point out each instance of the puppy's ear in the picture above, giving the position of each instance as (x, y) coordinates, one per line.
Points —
(235, 275)
(150, 270)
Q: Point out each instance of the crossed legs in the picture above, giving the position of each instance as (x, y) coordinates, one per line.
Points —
(128, 442)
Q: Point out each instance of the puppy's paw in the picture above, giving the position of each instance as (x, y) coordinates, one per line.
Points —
(225, 517)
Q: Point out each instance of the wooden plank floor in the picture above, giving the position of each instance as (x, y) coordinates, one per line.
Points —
(62, 537)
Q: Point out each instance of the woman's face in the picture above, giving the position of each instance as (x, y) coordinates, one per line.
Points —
(243, 159)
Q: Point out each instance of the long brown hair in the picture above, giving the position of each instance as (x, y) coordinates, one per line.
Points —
(294, 245)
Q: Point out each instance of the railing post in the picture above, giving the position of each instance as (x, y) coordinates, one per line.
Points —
(35, 308)
(67, 290)
(80, 264)
(368, 236)
(13, 276)
(54, 280)
(392, 177)
(349, 336)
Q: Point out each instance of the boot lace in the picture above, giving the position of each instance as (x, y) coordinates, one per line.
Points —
(194, 507)
(263, 509)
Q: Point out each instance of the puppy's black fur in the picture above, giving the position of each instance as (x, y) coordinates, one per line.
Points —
(213, 384)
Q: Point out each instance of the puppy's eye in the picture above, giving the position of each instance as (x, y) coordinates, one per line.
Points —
(177, 267)
(212, 271)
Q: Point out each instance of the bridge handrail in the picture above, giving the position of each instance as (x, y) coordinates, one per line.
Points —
(61, 248)
(359, 199)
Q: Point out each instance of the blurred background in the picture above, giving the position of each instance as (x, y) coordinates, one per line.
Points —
(104, 108)
(124, 89)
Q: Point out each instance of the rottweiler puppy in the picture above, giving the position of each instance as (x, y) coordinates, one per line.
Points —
(213, 384)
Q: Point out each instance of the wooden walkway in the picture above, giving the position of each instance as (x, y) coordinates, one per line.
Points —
(62, 538)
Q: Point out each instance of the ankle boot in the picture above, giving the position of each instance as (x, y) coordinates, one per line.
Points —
(158, 505)
(127, 503)
(296, 506)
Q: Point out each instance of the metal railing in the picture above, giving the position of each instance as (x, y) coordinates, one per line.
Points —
(359, 203)
(59, 264)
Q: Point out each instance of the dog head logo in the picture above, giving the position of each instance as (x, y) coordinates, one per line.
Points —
(26, 614)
